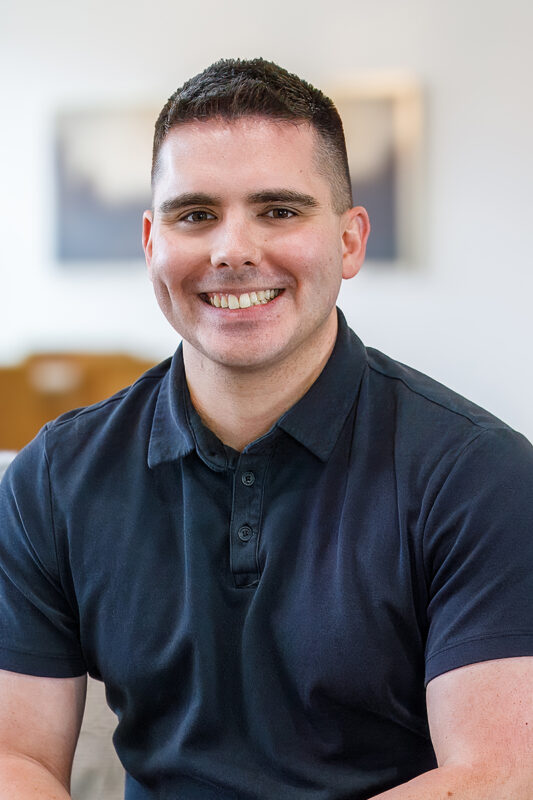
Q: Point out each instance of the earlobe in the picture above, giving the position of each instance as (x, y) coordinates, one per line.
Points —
(354, 239)
(147, 238)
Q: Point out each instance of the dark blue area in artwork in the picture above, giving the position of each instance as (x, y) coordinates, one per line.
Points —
(89, 228)
(378, 196)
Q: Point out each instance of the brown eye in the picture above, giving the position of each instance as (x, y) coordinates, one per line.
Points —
(280, 213)
(198, 216)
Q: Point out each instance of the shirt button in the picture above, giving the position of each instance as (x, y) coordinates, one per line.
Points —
(248, 478)
(245, 533)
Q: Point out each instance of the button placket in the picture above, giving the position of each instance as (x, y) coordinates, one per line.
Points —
(246, 517)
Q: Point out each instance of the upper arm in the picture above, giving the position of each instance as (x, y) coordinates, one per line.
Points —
(481, 715)
(40, 719)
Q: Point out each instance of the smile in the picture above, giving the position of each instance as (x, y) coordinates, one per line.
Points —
(245, 300)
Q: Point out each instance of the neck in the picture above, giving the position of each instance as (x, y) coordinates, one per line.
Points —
(240, 405)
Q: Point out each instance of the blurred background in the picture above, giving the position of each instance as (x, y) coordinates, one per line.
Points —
(455, 302)
(448, 116)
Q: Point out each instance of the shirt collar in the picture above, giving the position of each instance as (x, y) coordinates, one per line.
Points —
(315, 421)
(171, 436)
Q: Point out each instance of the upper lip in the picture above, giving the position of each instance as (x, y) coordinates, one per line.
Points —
(241, 291)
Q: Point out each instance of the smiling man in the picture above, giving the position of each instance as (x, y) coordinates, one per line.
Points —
(247, 247)
(302, 569)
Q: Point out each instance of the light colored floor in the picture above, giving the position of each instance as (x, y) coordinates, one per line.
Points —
(97, 773)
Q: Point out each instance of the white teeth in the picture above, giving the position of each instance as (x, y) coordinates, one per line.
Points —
(245, 300)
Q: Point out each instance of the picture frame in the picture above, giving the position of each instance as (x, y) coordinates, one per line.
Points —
(102, 158)
(102, 183)
(383, 124)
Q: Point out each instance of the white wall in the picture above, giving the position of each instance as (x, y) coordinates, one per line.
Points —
(465, 317)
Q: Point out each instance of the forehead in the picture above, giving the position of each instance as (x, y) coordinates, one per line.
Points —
(250, 152)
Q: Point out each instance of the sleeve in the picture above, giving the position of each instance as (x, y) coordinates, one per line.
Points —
(38, 624)
(478, 552)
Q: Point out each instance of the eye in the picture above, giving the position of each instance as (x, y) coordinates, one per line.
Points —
(197, 216)
(280, 213)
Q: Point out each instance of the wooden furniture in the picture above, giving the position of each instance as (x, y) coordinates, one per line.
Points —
(47, 384)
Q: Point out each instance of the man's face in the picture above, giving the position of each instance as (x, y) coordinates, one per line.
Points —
(240, 210)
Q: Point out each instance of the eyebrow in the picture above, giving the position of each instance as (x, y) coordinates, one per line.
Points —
(255, 198)
(188, 199)
(283, 196)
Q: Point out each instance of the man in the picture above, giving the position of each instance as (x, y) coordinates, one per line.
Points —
(271, 544)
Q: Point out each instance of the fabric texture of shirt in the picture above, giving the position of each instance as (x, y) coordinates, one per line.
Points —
(265, 622)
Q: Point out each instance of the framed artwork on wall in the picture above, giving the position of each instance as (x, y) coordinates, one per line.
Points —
(382, 118)
(102, 179)
(103, 155)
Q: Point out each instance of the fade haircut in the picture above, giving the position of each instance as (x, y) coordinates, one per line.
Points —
(233, 88)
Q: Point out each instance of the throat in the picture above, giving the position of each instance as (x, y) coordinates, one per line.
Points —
(240, 411)
(239, 405)
(237, 418)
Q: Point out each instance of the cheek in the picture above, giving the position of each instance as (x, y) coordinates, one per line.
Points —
(166, 276)
(172, 264)
(312, 258)
(162, 295)
(295, 249)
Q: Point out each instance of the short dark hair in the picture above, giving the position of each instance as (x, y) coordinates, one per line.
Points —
(233, 88)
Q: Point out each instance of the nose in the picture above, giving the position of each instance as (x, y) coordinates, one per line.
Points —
(235, 244)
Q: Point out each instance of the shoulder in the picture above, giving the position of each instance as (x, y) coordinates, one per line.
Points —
(69, 444)
(427, 395)
(127, 400)
(429, 432)
(116, 422)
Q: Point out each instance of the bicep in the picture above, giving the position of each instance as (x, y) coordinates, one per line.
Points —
(40, 719)
(482, 715)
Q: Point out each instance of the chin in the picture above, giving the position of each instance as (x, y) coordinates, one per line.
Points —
(243, 362)
(242, 357)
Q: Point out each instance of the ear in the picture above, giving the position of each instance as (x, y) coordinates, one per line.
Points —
(147, 239)
(355, 231)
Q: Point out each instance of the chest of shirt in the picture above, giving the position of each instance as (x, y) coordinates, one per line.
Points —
(260, 569)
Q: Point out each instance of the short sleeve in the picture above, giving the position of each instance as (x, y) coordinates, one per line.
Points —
(38, 624)
(478, 551)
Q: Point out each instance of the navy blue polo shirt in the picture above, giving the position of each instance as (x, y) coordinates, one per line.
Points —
(265, 622)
